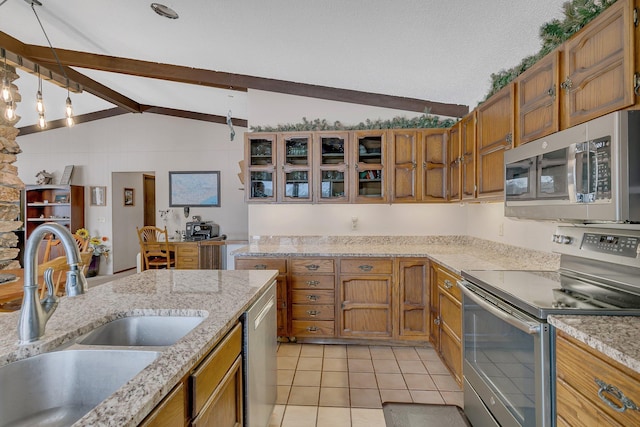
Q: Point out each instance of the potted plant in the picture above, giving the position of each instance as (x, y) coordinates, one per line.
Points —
(98, 244)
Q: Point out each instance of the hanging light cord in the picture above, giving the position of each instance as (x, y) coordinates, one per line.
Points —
(51, 46)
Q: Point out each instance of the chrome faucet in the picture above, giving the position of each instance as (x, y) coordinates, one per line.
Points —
(35, 313)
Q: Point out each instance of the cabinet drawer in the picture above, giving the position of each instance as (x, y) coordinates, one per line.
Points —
(366, 266)
(312, 265)
(321, 296)
(224, 408)
(187, 263)
(312, 328)
(313, 312)
(261, 264)
(187, 250)
(214, 367)
(579, 369)
(313, 282)
(448, 283)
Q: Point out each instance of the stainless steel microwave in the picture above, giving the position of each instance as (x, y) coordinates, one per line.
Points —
(587, 173)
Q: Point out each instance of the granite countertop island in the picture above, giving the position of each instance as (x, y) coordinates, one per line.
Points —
(219, 296)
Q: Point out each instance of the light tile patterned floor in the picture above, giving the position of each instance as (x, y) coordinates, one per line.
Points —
(345, 385)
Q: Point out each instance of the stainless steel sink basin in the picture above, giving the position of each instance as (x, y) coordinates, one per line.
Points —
(142, 331)
(59, 388)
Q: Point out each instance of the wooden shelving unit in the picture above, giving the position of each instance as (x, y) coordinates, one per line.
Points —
(63, 204)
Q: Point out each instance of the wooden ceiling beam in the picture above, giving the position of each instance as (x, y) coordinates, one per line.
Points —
(240, 82)
(16, 47)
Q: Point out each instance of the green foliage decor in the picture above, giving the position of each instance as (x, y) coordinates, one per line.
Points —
(421, 122)
(577, 14)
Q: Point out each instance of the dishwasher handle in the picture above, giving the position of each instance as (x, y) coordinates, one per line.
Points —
(530, 328)
(263, 312)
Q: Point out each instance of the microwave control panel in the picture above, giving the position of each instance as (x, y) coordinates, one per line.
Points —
(602, 169)
(611, 244)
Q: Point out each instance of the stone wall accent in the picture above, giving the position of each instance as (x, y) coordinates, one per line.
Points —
(10, 184)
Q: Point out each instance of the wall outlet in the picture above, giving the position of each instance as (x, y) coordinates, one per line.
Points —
(501, 229)
(102, 219)
(354, 222)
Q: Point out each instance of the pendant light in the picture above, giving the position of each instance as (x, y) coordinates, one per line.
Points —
(5, 92)
(42, 122)
(69, 111)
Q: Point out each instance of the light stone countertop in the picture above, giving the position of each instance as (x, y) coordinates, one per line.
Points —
(220, 296)
(457, 253)
(614, 336)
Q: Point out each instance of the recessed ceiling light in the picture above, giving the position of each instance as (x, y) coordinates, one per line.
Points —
(163, 10)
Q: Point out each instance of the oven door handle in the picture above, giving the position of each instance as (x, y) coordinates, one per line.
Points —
(526, 327)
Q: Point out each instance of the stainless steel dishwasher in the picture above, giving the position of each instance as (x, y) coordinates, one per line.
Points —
(259, 359)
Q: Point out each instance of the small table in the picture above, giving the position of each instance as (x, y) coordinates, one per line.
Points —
(14, 290)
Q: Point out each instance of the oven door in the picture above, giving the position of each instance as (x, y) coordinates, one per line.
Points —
(507, 363)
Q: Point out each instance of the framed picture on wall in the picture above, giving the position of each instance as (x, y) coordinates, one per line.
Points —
(98, 196)
(194, 189)
(128, 197)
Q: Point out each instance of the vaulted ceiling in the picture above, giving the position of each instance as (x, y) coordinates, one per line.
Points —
(403, 54)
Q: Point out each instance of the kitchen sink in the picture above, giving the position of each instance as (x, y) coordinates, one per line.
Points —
(59, 388)
(142, 331)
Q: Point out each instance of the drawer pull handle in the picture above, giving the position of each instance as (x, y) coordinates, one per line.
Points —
(615, 392)
(312, 297)
(313, 313)
(365, 267)
(312, 267)
(448, 284)
(312, 329)
(260, 266)
(313, 283)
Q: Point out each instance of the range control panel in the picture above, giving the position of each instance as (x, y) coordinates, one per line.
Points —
(611, 244)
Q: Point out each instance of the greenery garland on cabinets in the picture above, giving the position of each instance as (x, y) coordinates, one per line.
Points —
(577, 14)
(423, 121)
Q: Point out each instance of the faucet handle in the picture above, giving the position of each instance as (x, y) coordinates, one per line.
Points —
(48, 281)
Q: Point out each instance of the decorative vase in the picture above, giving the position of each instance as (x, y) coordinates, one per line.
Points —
(94, 266)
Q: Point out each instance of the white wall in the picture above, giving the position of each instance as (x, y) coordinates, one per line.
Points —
(125, 243)
(136, 143)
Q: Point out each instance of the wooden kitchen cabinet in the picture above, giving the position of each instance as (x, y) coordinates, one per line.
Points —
(418, 165)
(332, 154)
(282, 290)
(462, 163)
(313, 299)
(598, 66)
(586, 380)
(413, 298)
(211, 393)
(454, 171)
(447, 319)
(404, 162)
(260, 166)
(369, 176)
(537, 100)
(494, 136)
(365, 292)
(294, 167)
(433, 185)
(201, 255)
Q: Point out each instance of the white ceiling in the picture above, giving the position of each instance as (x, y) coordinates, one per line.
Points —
(435, 50)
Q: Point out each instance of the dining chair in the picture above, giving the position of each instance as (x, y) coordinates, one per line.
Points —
(52, 242)
(60, 268)
(154, 247)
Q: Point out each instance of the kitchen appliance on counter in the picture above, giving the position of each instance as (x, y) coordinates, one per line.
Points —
(201, 230)
(509, 354)
(587, 173)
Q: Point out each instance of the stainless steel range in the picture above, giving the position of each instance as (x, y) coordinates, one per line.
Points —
(509, 363)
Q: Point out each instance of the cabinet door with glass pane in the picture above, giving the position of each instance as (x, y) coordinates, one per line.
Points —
(295, 161)
(369, 176)
(260, 176)
(332, 163)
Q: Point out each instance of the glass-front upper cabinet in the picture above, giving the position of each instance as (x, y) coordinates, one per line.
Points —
(296, 167)
(370, 150)
(332, 152)
(260, 176)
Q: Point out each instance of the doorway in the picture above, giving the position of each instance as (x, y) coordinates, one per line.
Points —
(149, 197)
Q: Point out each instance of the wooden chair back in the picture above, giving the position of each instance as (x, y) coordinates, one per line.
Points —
(60, 268)
(82, 244)
(154, 247)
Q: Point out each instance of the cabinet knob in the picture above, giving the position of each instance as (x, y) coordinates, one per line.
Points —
(448, 284)
(312, 329)
(414, 165)
(365, 268)
(312, 297)
(552, 92)
(313, 283)
(260, 267)
(313, 313)
(437, 320)
(312, 267)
